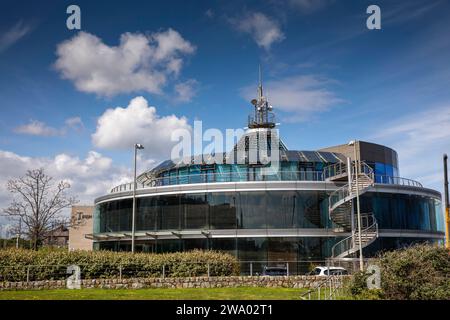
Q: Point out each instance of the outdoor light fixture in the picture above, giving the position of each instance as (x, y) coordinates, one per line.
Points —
(137, 147)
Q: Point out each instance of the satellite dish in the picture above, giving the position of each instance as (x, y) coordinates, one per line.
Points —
(254, 102)
(270, 107)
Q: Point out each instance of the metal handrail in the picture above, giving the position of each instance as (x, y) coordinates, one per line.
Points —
(223, 177)
(333, 283)
(234, 177)
(335, 169)
(385, 179)
(347, 242)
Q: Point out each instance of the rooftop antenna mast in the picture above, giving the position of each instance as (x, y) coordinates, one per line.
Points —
(263, 117)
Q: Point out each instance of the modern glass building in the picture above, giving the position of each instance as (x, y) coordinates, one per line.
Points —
(304, 211)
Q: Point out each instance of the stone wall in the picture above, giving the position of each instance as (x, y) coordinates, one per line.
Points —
(189, 282)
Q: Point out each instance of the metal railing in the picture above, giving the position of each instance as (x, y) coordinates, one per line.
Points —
(236, 177)
(368, 225)
(384, 179)
(335, 169)
(329, 289)
(254, 268)
(223, 177)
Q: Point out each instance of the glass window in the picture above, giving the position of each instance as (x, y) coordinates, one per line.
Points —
(195, 174)
(222, 210)
(146, 213)
(223, 173)
(183, 175)
(281, 210)
(251, 210)
(169, 212)
(194, 211)
(289, 170)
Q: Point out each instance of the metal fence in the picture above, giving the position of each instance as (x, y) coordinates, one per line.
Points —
(183, 269)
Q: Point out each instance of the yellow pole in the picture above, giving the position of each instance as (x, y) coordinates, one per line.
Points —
(446, 204)
(447, 227)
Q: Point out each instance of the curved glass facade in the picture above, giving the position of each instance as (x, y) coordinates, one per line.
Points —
(250, 215)
(261, 210)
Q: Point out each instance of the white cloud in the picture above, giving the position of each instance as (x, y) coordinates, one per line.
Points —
(300, 96)
(39, 128)
(264, 30)
(90, 177)
(138, 63)
(185, 91)
(420, 140)
(120, 128)
(10, 37)
(74, 123)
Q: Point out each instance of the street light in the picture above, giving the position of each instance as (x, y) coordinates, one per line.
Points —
(361, 259)
(133, 218)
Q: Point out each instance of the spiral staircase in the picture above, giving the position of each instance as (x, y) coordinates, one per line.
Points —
(359, 178)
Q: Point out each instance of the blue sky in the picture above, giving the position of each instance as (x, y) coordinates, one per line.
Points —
(329, 78)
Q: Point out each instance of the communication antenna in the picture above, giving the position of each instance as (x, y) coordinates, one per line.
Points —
(263, 116)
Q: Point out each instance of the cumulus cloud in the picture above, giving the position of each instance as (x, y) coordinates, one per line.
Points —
(11, 36)
(139, 63)
(264, 30)
(420, 140)
(120, 128)
(39, 128)
(89, 177)
(300, 96)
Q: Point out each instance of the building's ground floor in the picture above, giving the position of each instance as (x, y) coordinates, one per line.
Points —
(254, 253)
(267, 223)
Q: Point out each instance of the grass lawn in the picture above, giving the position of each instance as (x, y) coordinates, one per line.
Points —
(244, 293)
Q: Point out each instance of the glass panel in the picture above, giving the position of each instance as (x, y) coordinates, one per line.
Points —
(223, 173)
(281, 209)
(222, 210)
(312, 156)
(169, 212)
(251, 210)
(183, 175)
(195, 174)
(146, 213)
(195, 211)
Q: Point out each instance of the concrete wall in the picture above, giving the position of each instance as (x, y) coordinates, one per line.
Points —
(82, 219)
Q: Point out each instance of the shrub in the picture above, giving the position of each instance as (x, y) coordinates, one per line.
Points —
(418, 272)
(357, 288)
(51, 264)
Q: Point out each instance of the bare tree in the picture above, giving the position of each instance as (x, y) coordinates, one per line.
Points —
(38, 204)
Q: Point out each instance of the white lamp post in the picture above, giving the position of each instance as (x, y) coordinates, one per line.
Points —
(361, 259)
(133, 218)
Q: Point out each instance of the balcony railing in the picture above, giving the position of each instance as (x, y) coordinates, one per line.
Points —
(242, 177)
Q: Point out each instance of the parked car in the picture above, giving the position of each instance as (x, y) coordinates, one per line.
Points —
(274, 271)
(326, 271)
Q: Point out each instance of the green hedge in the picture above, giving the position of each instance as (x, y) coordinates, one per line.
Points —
(48, 264)
(418, 272)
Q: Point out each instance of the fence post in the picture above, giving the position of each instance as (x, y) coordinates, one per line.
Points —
(287, 269)
(164, 271)
(28, 274)
(120, 272)
(251, 269)
(208, 270)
